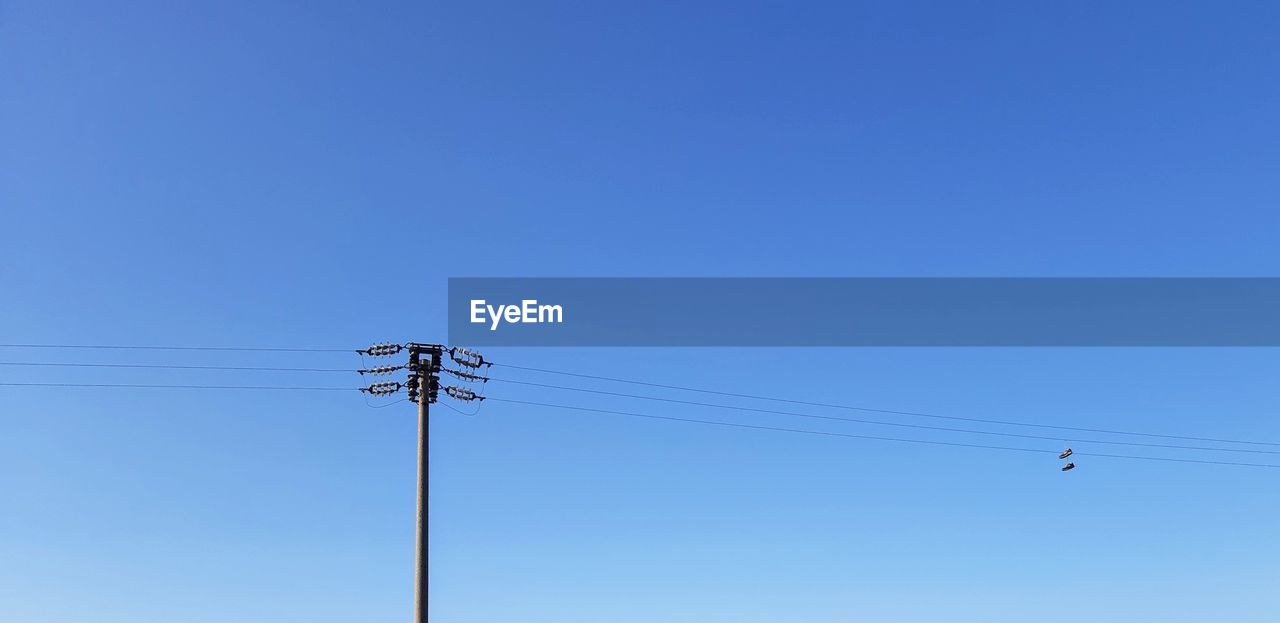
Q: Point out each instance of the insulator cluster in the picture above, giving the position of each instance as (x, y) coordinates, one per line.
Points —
(379, 370)
(381, 350)
(423, 365)
(424, 357)
(382, 389)
(414, 385)
(462, 393)
(467, 376)
(468, 358)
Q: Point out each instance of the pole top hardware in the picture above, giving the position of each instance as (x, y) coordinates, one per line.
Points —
(385, 388)
(381, 350)
(462, 393)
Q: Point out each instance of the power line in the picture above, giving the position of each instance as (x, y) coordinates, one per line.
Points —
(214, 348)
(883, 423)
(651, 398)
(873, 437)
(153, 386)
(168, 366)
(769, 428)
(891, 411)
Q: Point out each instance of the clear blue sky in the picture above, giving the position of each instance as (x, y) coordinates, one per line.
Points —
(309, 174)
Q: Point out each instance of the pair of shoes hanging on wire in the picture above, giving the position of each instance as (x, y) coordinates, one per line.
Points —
(1069, 466)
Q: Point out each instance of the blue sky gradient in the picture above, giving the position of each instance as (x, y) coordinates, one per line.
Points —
(309, 174)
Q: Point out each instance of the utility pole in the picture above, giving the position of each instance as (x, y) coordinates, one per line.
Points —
(427, 384)
(420, 555)
(423, 385)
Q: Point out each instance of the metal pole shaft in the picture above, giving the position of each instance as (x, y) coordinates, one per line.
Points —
(420, 576)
